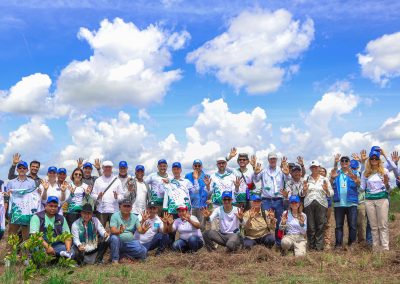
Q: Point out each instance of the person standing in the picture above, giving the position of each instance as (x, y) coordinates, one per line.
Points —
(156, 182)
(140, 190)
(34, 167)
(125, 178)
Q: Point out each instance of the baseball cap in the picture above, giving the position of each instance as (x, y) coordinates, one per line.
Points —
(314, 163)
(176, 165)
(139, 168)
(22, 164)
(375, 148)
(123, 164)
(62, 170)
(227, 194)
(108, 164)
(182, 207)
(52, 169)
(344, 157)
(243, 155)
(197, 161)
(294, 198)
(162, 161)
(87, 208)
(272, 155)
(295, 167)
(354, 164)
(221, 159)
(52, 199)
(88, 165)
(151, 204)
(375, 153)
(256, 198)
(126, 201)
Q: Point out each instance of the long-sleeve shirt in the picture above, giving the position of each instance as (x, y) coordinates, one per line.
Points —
(248, 179)
(316, 191)
(108, 203)
(75, 199)
(294, 187)
(177, 192)
(224, 182)
(257, 227)
(292, 226)
(272, 181)
(79, 230)
(374, 186)
(198, 199)
(156, 187)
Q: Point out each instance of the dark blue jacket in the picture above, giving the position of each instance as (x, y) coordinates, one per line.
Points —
(198, 200)
(352, 189)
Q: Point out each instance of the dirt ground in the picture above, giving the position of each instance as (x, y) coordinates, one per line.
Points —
(260, 265)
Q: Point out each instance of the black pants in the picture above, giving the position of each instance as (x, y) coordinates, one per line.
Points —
(71, 218)
(316, 219)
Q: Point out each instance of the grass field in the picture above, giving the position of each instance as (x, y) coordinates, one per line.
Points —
(258, 266)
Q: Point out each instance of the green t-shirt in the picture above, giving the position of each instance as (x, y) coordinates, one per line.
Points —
(130, 225)
(34, 226)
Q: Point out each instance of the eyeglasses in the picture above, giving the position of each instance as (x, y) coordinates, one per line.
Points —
(197, 166)
(242, 160)
(344, 160)
(126, 205)
(374, 159)
(221, 163)
(77, 174)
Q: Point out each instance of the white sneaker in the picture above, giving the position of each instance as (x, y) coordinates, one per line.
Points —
(65, 254)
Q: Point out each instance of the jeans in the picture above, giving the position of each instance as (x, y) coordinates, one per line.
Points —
(159, 242)
(351, 214)
(267, 240)
(132, 249)
(316, 219)
(368, 233)
(59, 247)
(193, 244)
(277, 206)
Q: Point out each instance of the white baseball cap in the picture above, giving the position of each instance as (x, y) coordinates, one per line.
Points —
(272, 155)
(221, 159)
(108, 164)
(314, 163)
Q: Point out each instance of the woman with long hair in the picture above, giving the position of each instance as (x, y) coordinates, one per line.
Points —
(76, 192)
(375, 182)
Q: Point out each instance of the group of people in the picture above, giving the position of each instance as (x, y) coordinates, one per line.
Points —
(287, 206)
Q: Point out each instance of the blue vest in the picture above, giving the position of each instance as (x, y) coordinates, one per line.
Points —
(352, 189)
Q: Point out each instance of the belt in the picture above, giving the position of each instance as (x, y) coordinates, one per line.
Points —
(273, 198)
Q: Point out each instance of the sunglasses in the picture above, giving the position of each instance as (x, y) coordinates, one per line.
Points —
(226, 199)
(22, 168)
(197, 166)
(78, 175)
(344, 160)
(221, 163)
(126, 205)
(242, 159)
(374, 159)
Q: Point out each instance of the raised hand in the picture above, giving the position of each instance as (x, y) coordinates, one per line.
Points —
(300, 160)
(284, 218)
(89, 189)
(232, 153)
(206, 213)
(284, 161)
(97, 164)
(325, 186)
(334, 174)
(146, 226)
(167, 219)
(186, 216)
(395, 157)
(252, 213)
(72, 189)
(240, 213)
(45, 184)
(16, 159)
(337, 158)
(64, 186)
(363, 156)
(145, 216)
(207, 180)
(383, 153)
(356, 157)
(196, 174)
(80, 162)
(253, 161)
(285, 168)
(130, 184)
(271, 213)
(258, 169)
(237, 182)
(284, 193)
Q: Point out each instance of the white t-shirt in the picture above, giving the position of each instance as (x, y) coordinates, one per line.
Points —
(228, 222)
(124, 182)
(156, 227)
(185, 229)
(141, 198)
(108, 204)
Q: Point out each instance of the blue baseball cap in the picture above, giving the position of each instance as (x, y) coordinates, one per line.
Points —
(375, 153)
(294, 198)
(22, 164)
(162, 161)
(354, 164)
(256, 198)
(139, 168)
(52, 199)
(197, 161)
(123, 164)
(88, 165)
(227, 194)
(52, 169)
(62, 170)
(177, 165)
(375, 148)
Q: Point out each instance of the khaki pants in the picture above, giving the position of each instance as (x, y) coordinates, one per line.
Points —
(328, 227)
(378, 215)
(13, 230)
(361, 222)
(296, 242)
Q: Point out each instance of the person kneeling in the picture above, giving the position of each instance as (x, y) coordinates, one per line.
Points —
(152, 237)
(259, 227)
(85, 231)
(50, 217)
(230, 219)
(188, 226)
(123, 226)
(294, 223)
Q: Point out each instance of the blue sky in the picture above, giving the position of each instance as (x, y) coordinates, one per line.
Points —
(41, 37)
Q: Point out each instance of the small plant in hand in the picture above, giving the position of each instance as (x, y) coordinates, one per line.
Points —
(33, 254)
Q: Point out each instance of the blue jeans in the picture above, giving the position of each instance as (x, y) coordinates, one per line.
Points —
(368, 233)
(131, 249)
(159, 242)
(351, 214)
(59, 247)
(193, 244)
(277, 205)
(268, 241)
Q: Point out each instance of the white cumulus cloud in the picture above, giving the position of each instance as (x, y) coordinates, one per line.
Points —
(256, 51)
(381, 61)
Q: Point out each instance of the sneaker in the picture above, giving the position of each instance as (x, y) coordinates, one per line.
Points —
(65, 254)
